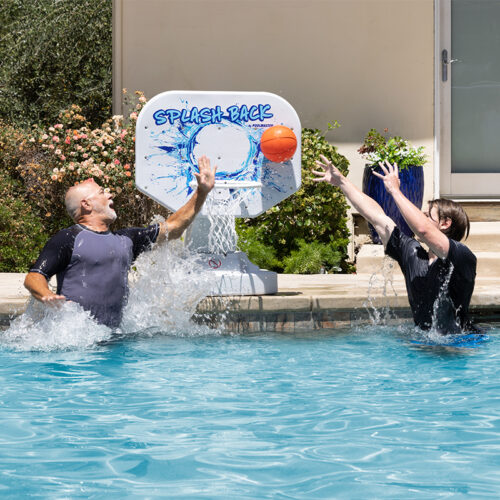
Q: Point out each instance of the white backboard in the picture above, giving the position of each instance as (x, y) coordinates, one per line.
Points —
(175, 128)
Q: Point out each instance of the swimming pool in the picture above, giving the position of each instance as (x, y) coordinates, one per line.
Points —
(367, 413)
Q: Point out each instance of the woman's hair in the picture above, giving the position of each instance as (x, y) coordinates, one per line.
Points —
(448, 209)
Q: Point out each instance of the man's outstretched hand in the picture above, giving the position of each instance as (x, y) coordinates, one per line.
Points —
(329, 173)
(53, 300)
(206, 177)
(390, 177)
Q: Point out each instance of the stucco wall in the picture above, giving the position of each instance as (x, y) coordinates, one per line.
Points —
(365, 63)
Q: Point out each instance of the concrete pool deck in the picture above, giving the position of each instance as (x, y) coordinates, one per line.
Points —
(303, 302)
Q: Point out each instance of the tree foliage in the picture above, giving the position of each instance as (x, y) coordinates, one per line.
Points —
(55, 53)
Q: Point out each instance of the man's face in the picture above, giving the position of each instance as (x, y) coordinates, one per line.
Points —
(101, 202)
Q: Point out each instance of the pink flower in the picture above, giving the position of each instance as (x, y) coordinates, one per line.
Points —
(126, 166)
(67, 140)
(83, 136)
(85, 155)
(55, 139)
(116, 161)
(58, 125)
(53, 177)
(62, 157)
(133, 115)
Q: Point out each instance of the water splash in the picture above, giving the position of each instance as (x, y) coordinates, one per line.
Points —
(444, 315)
(43, 328)
(167, 284)
(381, 282)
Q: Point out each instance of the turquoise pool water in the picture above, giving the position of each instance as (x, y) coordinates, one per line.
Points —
(361, 414)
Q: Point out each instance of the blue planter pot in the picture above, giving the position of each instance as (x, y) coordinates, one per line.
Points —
(412, 186)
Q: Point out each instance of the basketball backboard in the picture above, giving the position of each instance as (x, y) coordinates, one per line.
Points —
(175, 128)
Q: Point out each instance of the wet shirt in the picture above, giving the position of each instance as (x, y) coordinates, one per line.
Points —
(442, 289)
(92, 267)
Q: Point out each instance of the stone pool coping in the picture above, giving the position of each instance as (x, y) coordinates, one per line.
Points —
(303, 303)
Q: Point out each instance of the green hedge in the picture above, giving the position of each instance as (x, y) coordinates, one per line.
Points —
(22, 234)
(55, 53)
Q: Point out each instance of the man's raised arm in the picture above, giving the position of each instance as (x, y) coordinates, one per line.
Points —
(176, 224)
(365, 205)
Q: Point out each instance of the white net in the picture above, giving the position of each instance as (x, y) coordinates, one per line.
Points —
(220, 206)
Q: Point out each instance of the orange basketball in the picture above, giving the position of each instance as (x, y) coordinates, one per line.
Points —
(278, 143)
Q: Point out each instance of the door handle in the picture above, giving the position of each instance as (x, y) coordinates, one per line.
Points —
(444, 65)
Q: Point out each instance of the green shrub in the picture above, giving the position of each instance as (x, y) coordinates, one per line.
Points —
(55, 53)
(22, 234)
(316, 213)
(258, 252)
(313, 258)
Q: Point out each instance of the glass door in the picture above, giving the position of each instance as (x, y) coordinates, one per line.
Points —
(469, 88)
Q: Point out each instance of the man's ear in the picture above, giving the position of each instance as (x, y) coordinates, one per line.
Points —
(85, 206)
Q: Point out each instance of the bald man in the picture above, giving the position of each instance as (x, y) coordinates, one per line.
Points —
(91, 262)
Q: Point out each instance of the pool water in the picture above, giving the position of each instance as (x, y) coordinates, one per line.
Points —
(366, 413)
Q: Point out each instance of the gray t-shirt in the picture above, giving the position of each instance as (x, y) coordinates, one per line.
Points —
(92, 267)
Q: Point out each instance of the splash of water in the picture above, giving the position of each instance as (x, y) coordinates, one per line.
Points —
(444, 314)
(43, 328)
(382, 279)
(166, 286)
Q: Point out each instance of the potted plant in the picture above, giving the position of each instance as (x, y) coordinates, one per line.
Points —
(410, 160)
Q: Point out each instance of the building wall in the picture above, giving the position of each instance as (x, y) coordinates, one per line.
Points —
(364, 63)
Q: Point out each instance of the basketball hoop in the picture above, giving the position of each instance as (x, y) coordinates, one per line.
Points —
(175, 128)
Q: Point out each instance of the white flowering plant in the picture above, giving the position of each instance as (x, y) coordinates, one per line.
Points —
(378, 148)
(69, 152)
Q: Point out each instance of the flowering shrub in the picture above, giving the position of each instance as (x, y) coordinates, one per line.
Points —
(377, 148)
(70, 152)
(38, 166)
